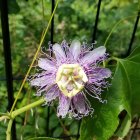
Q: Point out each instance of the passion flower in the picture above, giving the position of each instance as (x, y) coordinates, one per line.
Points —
(70, 75)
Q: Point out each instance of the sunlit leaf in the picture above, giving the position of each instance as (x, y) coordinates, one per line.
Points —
(43, 138)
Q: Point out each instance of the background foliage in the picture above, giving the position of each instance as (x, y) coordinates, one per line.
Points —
(74, 19)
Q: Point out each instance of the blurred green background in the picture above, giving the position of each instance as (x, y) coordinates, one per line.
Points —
(74, 19)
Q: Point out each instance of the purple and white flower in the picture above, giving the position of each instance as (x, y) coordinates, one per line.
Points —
(70, 75)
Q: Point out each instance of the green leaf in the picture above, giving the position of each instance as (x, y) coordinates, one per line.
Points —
(13, 7)
(122, 95)
(57, 132)
(53, 121)
(131, 66)
(43, 138)
(124, 128)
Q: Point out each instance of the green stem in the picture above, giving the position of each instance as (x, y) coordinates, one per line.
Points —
(27, 107)
(4, 117)
(19, 111)
(111, 59)
(35, 56)
(114, 27)
(8, 132)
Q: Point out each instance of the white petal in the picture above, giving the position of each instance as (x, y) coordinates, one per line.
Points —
(46, 64)
(52, 93)
(99, 74)
(64, 105)
(80, 104)
(75, 48)
(94, 55)
(42, 81)
(105, 72)
(59, 52)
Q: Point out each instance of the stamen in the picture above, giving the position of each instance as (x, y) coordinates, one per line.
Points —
(74, 80)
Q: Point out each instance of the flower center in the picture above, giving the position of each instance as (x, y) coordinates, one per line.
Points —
(70, 79)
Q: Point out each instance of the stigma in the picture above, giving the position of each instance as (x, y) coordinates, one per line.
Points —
(70, 79)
